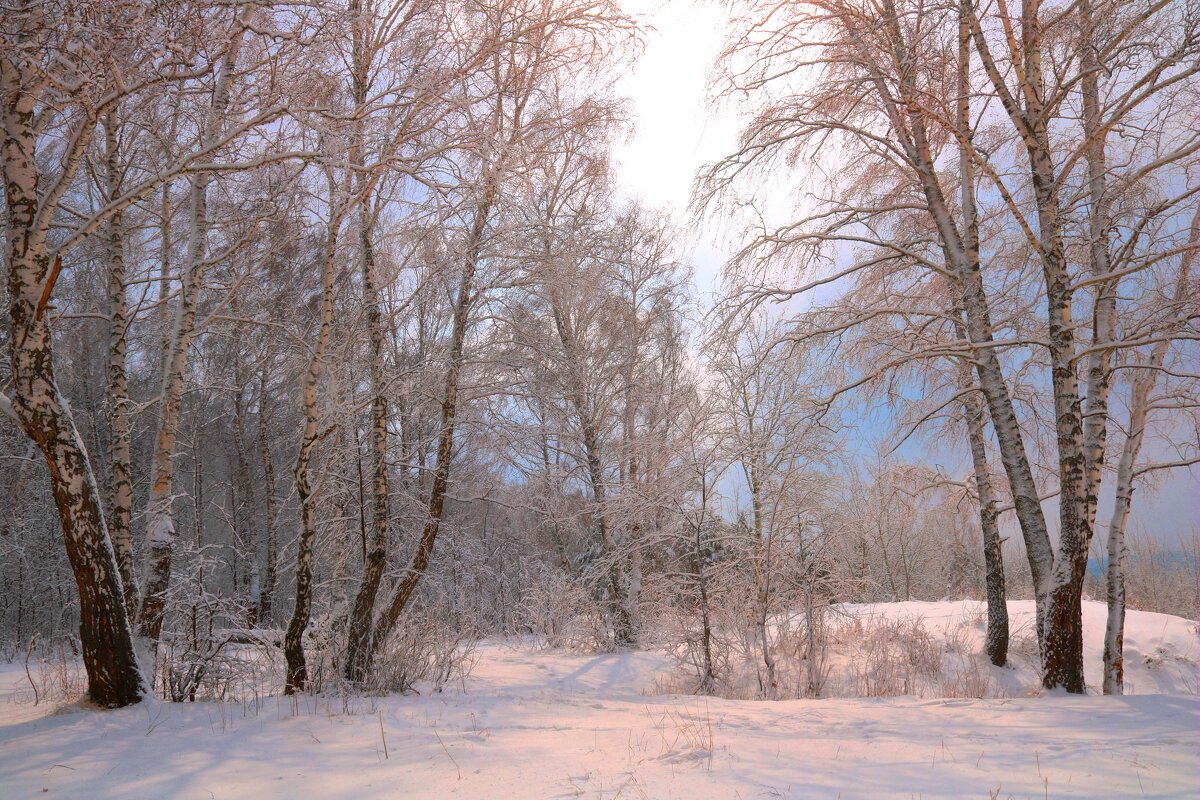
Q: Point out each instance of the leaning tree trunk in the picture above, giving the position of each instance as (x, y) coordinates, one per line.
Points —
(160, 518)
(120, 485)
(445, 450)
(996, 642)
(961, 255)
(358, 645)
(42, 413)
(293, 643)
(1139, 408)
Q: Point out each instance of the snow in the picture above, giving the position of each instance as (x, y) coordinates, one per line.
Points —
(546, 723)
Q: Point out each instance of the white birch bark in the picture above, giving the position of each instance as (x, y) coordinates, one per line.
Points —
(996, 639)
(293, 647)
(114, 678)
(160, 517)
(358, 646)
(463, 303)
(1142, 388)
(963, 259)
(120, 488)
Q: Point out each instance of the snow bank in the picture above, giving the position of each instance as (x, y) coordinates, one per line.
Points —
(534, 724)
(1161, 651)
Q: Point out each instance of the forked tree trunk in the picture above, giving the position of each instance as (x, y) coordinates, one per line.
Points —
(42, 413)
(962, 257)
(445, 450)
(358, 645)
(1061, 622)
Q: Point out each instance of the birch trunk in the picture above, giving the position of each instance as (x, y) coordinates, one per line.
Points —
(1062, 627)
(42, 413)
(160, 525)
(1114, 634)
(962, 257)
(120, 485)
(996, 641)
(266, 599)
(293, 643)
(445, 450)
(1139, 408)
(762, 573)
(359, 646)
(1104, 317)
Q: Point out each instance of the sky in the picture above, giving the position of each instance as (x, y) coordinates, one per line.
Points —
(677, 131)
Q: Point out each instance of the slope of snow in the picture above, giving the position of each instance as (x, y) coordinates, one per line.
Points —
(1161, 651)
(533, 723)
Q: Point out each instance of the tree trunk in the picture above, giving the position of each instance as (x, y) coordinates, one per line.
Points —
(160, 525)
(266, 599)
(120, 485)
(707, 678)
(618, 610)
(962, 256)
(293, 643)
(445, 451)
(359, 646)
(1062, 635)
(996, 643)
(762, 580)
(114, 678)
(1139, 408)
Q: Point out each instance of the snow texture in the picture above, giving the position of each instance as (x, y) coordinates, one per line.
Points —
(543, 723)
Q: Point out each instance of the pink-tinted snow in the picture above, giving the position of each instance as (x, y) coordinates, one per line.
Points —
(537, 723)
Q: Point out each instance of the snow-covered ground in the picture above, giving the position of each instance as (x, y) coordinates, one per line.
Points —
(530, 723)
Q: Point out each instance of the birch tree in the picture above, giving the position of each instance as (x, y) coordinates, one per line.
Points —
(896, 61)
(47, 78)
(1145, 376)
(160, 525)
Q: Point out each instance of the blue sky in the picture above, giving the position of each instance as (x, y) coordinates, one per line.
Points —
(676, 131)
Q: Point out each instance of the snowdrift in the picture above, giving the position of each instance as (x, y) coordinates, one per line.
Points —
(530, 723)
